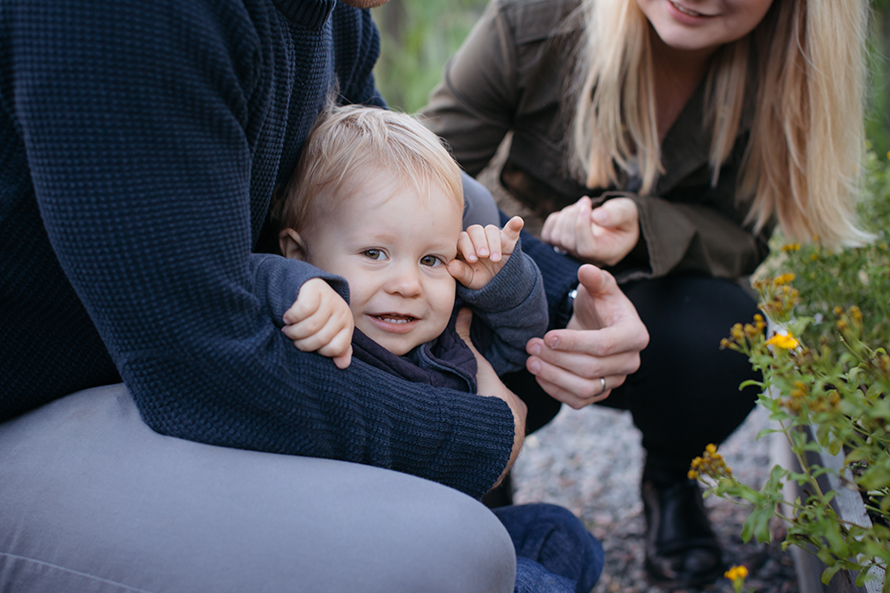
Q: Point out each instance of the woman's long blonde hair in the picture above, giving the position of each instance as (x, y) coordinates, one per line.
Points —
(806, 63)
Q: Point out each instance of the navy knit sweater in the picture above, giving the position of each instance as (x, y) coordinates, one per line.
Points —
(140, 142)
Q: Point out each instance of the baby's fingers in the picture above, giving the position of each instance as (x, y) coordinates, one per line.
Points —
(306, 305)
(473, 243)
(510, 234)
(332, 338)
(513, 226)
(339, 348)
(465, 247)
(493, 238)
(305, 328)
(460, 271)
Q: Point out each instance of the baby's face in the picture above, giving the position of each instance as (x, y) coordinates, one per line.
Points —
(392, 246)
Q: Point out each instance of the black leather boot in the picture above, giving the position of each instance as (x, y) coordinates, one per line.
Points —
(681, 548)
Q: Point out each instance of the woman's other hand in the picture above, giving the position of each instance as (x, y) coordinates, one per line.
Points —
(602, 235)
(600, 346)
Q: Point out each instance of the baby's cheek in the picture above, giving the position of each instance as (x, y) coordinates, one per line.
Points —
(443, 304)
(356, 316)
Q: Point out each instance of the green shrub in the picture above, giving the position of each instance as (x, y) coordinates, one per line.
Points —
(825, 381)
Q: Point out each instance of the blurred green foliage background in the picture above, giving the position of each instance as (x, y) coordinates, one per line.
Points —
(418, 37)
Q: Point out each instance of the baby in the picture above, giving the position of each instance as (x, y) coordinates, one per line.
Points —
(378, 200)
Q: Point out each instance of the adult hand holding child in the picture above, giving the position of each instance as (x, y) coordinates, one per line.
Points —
(489, 384)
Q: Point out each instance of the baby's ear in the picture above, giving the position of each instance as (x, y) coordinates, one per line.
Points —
(291, 244)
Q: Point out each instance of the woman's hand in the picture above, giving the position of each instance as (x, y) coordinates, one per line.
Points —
(602, 236)
(490, 385)
(600, 346)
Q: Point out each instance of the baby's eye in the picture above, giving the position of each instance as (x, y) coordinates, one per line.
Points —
(374, 254)
(430, 260)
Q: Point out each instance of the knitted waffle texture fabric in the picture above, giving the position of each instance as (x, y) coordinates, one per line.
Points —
(140, 144)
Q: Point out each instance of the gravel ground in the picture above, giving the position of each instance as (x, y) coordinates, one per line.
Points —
(590, 461)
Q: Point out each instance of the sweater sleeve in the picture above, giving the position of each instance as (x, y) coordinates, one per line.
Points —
(144, 123)
(512, 308)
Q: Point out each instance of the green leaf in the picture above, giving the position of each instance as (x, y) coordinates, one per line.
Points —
(830, 572)
(757, 524)
(765, 431)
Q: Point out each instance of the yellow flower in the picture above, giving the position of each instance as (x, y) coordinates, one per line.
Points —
(712, 448)
(791, 247)
(736, 572)
(737, 332)
(783, 341)
(784, 278)
(692, 475)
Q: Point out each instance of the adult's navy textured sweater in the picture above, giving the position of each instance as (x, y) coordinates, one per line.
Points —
(140, 142)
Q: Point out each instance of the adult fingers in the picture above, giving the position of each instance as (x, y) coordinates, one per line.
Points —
(584, 364)
(548, 226)
(559, 228)
(585, 240)
(616, 213)
(564, 233)
(574, 391)
(462, 326)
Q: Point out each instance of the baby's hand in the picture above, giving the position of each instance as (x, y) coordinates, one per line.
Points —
(482, 252)
(320, 320)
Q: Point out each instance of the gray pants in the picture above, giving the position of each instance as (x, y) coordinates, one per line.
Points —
(91, 499)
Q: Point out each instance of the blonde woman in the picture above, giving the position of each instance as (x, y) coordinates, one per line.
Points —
(694, 126)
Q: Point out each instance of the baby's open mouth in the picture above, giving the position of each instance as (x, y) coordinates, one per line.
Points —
(392, 318)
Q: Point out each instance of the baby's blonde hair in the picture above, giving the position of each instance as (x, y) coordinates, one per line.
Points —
(349, 143)
(806, 64)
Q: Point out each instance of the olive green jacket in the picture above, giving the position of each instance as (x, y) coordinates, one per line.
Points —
(509, 76)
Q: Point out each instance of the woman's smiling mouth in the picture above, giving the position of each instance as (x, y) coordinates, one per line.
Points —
(686, 11)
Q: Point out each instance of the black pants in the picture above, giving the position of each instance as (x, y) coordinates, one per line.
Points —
(686, 392)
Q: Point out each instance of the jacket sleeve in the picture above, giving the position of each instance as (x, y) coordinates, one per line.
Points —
(512, 308)
(697, 228)
(697, 238)
(138, 121)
